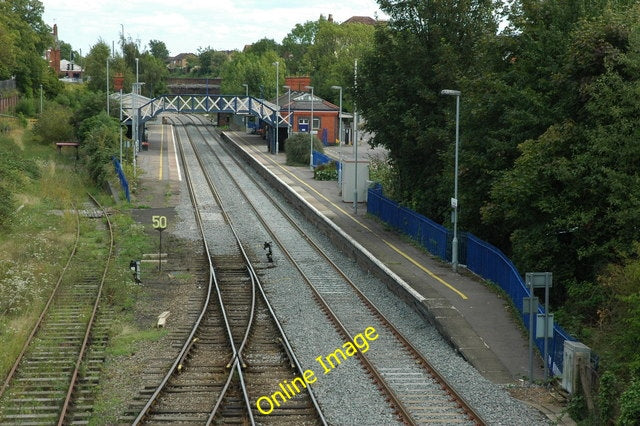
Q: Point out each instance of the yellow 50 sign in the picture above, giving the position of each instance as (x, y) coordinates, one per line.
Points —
(159, 222)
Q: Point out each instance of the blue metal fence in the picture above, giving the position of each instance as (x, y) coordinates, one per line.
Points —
(480, 257)
(123, 180)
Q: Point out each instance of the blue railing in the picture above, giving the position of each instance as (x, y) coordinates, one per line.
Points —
(123, 180)
(479, 256)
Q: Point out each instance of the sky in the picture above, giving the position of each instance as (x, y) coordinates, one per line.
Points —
(219, 24)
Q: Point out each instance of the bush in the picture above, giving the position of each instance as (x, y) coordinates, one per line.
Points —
(298, 149)
(630, 405)
(54, 125)
(326, 171)
(26, 107)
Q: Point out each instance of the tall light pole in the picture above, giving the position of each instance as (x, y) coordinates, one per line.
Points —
(288, 111)
(40, 98)
(311, 130)
(340, 115)
(277, 114)
(454, 200)
(246, 94)
(107, 85)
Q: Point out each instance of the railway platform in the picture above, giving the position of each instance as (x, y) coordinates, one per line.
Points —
(479, 325)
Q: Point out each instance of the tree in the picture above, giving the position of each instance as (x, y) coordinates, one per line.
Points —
(153, 73)
(332, 55)
(296, 44)
(211, 61)
(96, 65)
(21, 22)
(158, 49)
(256, 71)
(425, 47)
(572, 199)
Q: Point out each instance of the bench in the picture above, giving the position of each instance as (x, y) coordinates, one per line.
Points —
(145, 146)
(59, 145)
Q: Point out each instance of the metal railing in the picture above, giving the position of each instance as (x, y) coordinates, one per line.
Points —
(479, 256)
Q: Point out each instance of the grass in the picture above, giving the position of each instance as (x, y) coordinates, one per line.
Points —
(126, 342)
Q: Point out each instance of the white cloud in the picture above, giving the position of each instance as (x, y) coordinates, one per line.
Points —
(186, 26)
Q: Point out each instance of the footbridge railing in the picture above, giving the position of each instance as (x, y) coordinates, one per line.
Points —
(243, 105)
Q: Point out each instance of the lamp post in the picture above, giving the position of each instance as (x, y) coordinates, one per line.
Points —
(454, 200)
(107, 85)
(41, 99)
(340, 115)
(277, 114)
(311, 130)
(288, 111)
(246, 94)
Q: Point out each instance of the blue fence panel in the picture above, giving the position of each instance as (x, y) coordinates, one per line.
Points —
(491, 264)
(428, 233)
(479, 256)
(123, 180)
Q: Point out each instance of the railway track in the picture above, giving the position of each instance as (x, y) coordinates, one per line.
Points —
(417, 392)
(236, 346)
(52, 380)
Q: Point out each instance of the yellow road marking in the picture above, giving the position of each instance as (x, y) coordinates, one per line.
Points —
(394, 248)
(161, 143)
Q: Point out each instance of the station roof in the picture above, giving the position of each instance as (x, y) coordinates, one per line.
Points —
(301, 101)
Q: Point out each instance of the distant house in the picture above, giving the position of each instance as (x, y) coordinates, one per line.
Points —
(361, 20)
(52, 55)
(71, 71)
(180, 61)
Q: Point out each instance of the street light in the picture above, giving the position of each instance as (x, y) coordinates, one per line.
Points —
(311, 130)
(339, 116)
(288, 111)
(277, 114)
(454, 200)
(246, 94)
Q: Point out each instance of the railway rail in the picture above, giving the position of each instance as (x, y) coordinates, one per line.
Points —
(51, 380)
(236, 344)
(418, 393)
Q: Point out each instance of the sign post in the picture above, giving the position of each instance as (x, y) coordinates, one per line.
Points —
(538, 280)
(160, 224)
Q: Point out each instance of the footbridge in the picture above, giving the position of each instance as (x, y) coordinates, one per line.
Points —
(242, 105)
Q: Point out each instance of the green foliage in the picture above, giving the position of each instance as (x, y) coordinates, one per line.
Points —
(26, 107)
(95, 66)
(255, 70)
(158, 49)
(297, 149)
(630, 405)
(330, 59)
(326, 171)
(296, 44)
(99, 145)
(15, 172)
(426, 47)
(54, 125)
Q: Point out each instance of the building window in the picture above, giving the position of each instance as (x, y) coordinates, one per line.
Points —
(303, 121)
(316, 123)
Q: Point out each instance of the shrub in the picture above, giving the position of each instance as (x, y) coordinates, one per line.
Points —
(54, 125)
(630, 405)
(326, 171)
(297, 149)
(26, 107)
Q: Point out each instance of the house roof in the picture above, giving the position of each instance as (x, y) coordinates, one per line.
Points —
(301, 101)
(361, 20)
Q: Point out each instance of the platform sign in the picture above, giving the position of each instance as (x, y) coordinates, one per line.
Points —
(540, 320)
(527, 308)
(159, 223)
(539, 279)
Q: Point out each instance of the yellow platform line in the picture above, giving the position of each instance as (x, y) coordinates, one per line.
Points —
(394, 248)
(161, 143)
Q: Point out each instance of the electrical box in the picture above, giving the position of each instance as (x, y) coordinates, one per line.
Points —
(351, 182)
(572, 352)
